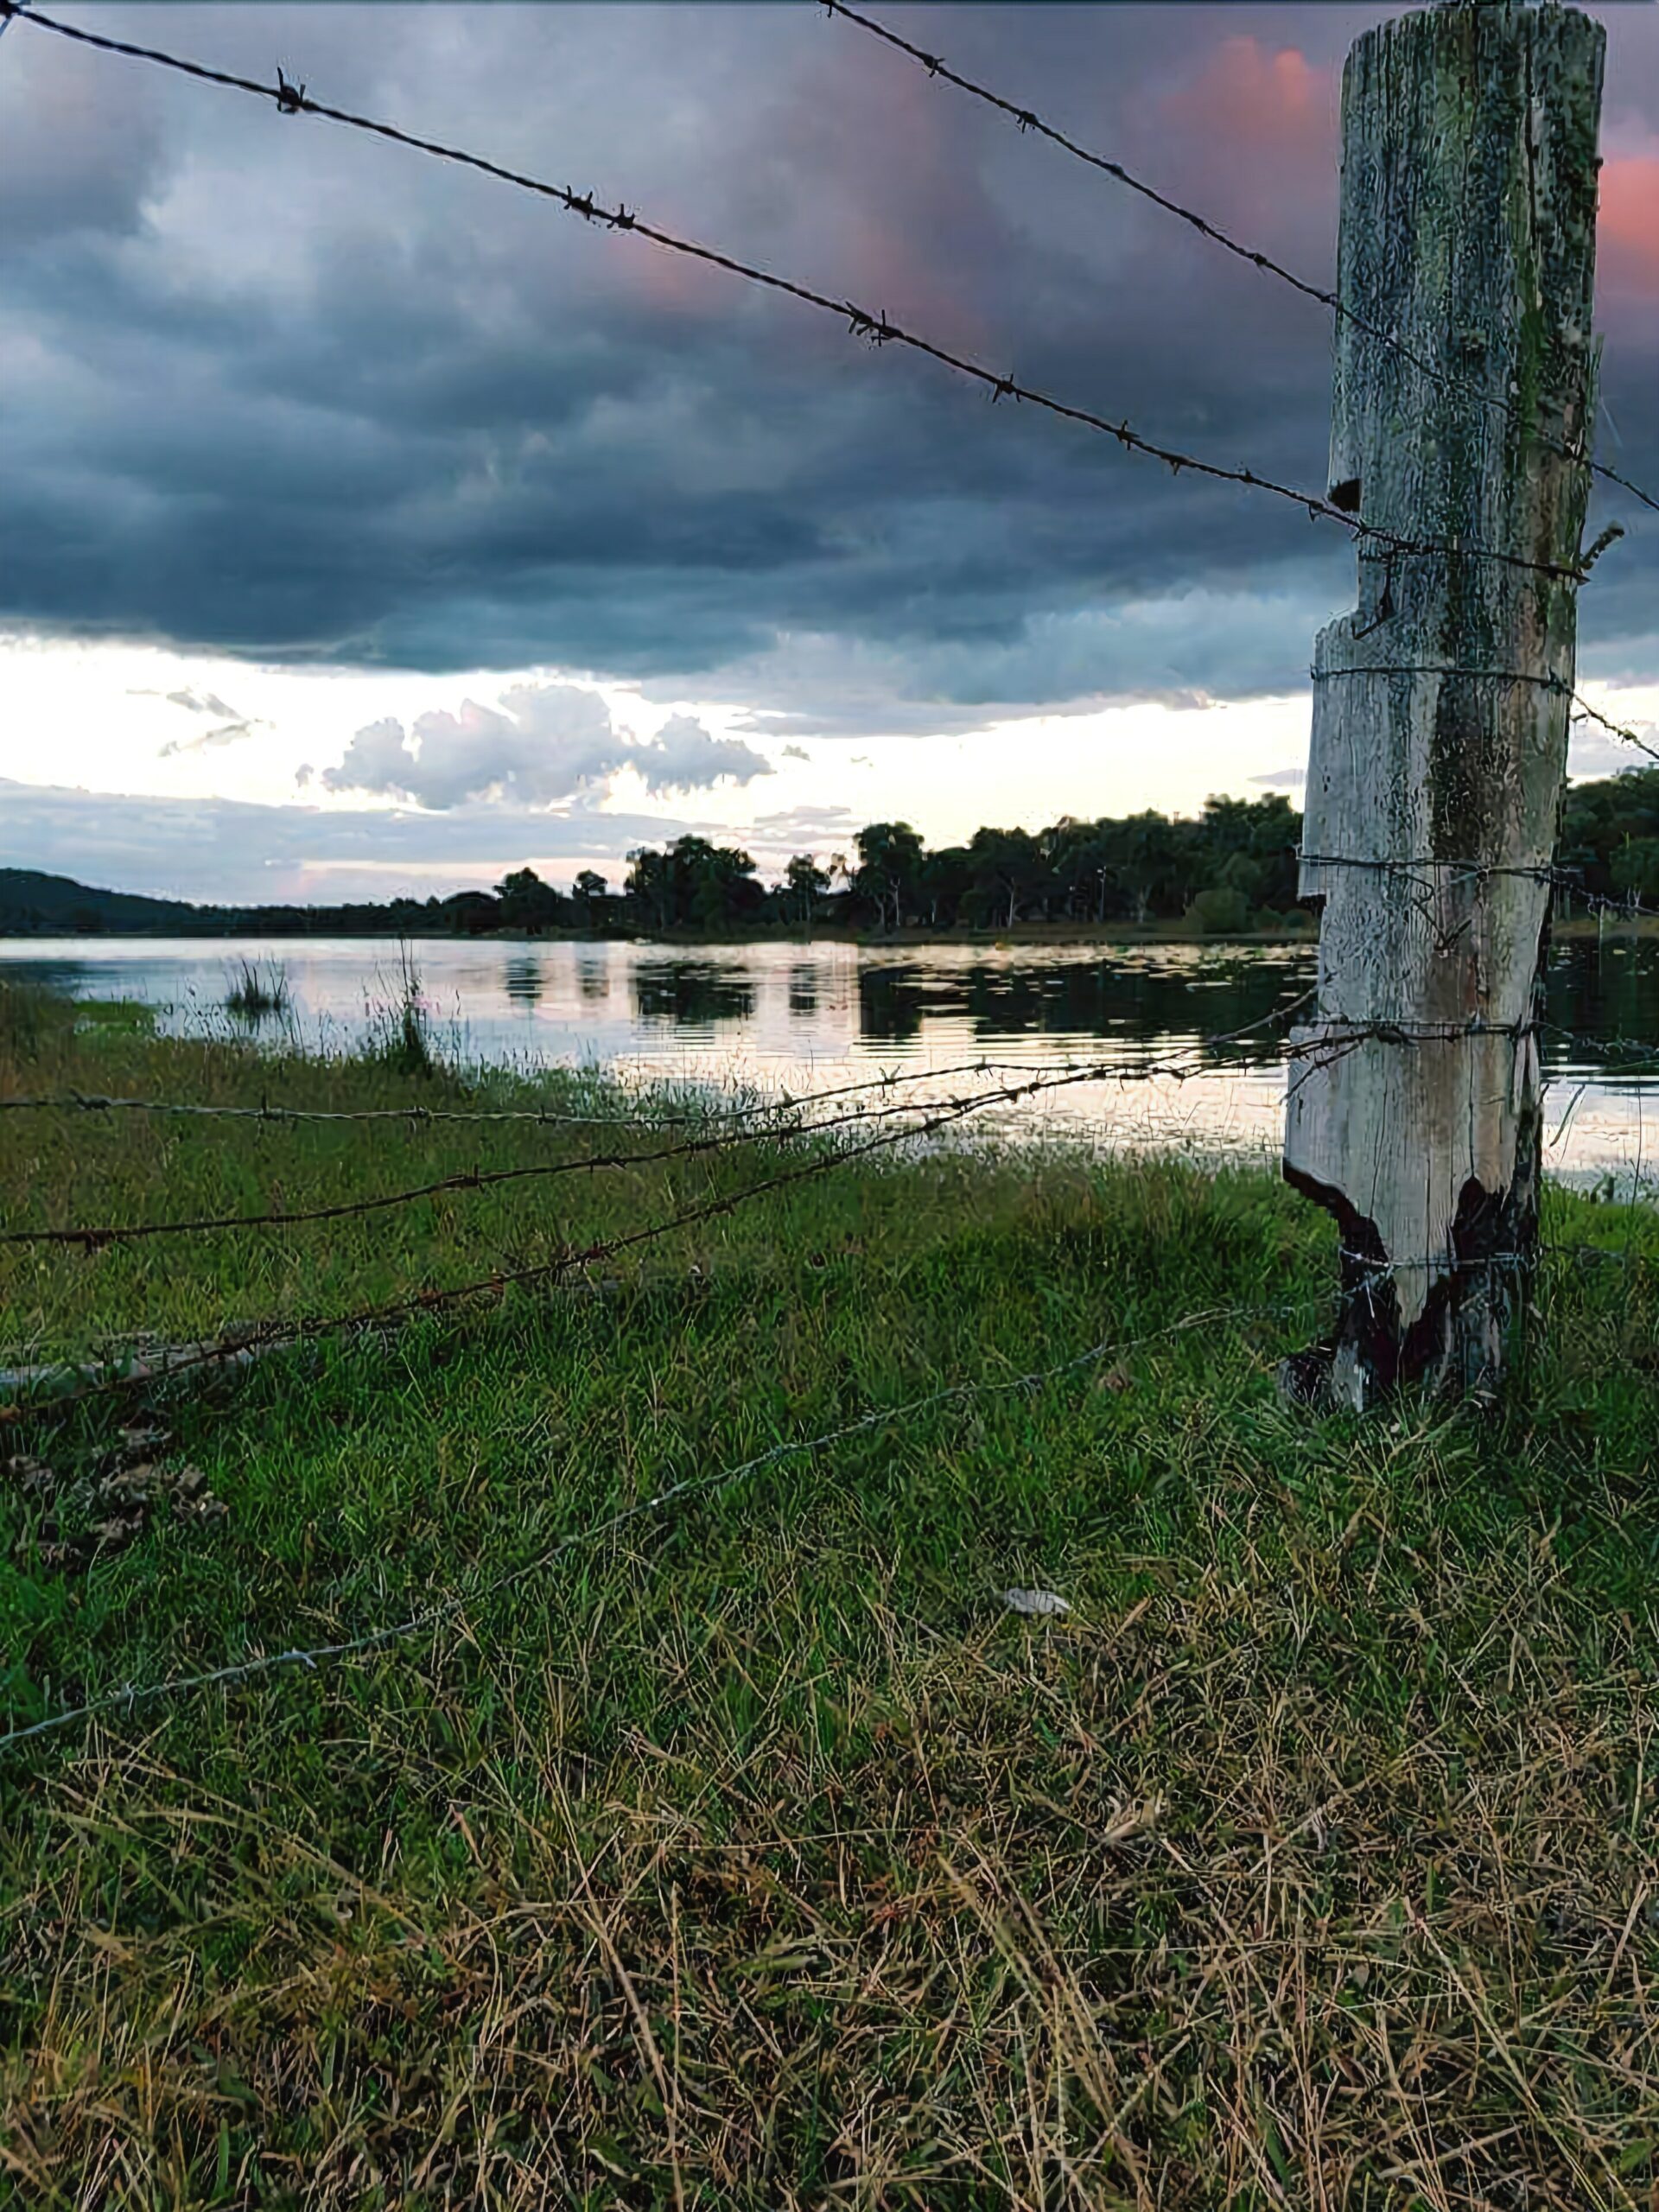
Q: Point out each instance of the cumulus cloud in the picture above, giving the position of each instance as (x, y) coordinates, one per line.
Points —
(684, 757)
(544, 745)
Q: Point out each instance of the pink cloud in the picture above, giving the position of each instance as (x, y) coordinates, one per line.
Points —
(1256, 140)
(1627, 231)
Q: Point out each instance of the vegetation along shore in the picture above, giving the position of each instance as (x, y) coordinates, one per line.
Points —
(1229, 872)
(1110, 1787)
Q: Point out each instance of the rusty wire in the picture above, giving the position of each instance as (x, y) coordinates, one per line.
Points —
(1026, 119)
(877, 328)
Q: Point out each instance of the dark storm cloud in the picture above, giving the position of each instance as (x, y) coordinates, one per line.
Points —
(274, 389)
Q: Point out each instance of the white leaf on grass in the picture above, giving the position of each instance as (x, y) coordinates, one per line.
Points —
(1034, 1601)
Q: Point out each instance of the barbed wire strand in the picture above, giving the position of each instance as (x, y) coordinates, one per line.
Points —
(241, 1344)
(878, 329)
(470, 1179)
(1027, 120)
(1040, 1080)
(281, 1115)
(1428, 872)
(129, 1697)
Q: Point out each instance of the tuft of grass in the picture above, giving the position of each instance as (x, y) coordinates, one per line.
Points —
(757, 1855)
(399, 1037)
(258, 992)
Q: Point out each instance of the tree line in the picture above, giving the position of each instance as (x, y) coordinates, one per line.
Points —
(1230, 870)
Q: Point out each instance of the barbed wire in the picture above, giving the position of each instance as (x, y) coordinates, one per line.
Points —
(1429, 872)
(1027, 120)
(877, 328)
(1585, 712)
(242, 1343)
(472, 1179)
(422, 1116)
(130, 1696)
(1369, 1272)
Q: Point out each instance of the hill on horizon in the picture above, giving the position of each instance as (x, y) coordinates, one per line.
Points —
(36, 904)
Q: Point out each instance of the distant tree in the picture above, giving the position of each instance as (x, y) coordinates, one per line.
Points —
(473, 913)
(1144, 855)
(804, 883)
(1635, 868)
(588, 896)
(1009, 873)
(693, 884)
(889, 869)
(527, 902)
(1220, 910)
(946, 884)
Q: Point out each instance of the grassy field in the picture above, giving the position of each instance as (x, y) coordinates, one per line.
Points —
(754, 1854)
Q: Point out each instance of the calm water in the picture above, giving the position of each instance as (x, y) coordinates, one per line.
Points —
(800, 1016)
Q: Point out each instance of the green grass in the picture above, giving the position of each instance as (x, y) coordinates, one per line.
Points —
(755, 1855)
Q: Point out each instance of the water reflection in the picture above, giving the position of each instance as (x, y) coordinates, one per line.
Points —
(1148, 1002)
(524, 978)
(592, 976)
(693, 994)
(773, 1014)
(803, 990)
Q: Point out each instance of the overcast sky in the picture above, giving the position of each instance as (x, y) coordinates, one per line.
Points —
(367, 525)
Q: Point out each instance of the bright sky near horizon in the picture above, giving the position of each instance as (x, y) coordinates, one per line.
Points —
(373, 527)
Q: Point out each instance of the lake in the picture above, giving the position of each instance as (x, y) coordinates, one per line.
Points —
(803, 1016)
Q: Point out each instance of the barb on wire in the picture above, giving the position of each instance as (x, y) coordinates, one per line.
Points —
(1025, 120)
(130, 1696)
(877, 328)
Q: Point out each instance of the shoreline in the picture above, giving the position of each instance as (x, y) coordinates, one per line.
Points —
(1036, 934)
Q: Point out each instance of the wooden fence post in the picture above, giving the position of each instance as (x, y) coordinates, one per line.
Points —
(1440, 706)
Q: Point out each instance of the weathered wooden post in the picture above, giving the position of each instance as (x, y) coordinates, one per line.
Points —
(1440, 706)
